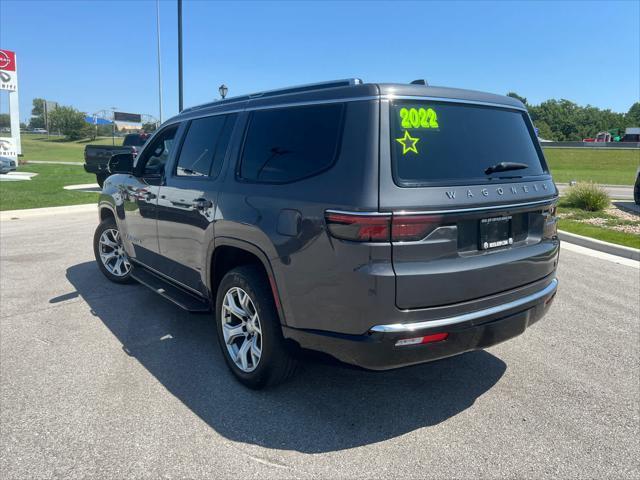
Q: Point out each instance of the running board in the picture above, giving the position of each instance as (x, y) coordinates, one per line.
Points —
(171, 292)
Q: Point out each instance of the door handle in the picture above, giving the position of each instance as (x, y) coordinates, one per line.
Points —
(202, 204)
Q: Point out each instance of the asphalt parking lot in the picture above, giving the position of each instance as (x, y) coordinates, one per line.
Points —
(101, 380)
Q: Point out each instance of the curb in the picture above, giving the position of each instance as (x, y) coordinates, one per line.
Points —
(51, 162)
(38, 212)
(608, 185)
(622, 205)
(606, 247)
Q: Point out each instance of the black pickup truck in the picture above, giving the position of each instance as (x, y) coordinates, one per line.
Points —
(96, 157)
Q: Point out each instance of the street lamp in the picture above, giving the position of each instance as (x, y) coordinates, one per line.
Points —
(223, 90)
(113, 125)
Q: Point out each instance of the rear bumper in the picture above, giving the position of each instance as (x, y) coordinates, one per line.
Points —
(377, 350)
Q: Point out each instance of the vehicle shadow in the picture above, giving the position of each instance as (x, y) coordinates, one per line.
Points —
(326, 407)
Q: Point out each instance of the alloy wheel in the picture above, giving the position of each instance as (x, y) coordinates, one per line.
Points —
(112, 253)
(241, 329)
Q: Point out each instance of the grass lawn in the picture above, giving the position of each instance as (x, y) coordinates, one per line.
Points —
(39, 147)
(613, 167)
(574, 220)
(45, 189)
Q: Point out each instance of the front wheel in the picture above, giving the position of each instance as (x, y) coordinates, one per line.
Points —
(249, 329)
(109, 252)
(636, 191)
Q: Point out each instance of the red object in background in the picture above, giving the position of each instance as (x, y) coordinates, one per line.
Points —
(8, 60)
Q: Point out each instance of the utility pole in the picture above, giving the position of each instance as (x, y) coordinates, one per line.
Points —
(46, 119)
(179, 56)
(113, 126)
(159, 63)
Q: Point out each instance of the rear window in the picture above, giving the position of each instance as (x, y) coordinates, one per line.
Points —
(134, 140)
(288, 144)
(435, 142)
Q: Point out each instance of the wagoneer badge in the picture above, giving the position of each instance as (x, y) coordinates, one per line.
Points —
(498, 191)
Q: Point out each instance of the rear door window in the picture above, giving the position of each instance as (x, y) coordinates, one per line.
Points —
(204, 146)
(288, 144)
(449, 143)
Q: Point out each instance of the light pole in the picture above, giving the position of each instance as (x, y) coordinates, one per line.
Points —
(179, 56)
(113, 126)
(159, 63)
(223, 90)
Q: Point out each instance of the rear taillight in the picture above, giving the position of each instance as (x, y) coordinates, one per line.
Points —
(407, 228)
(380, 227)
(359, 228)
(550, 230)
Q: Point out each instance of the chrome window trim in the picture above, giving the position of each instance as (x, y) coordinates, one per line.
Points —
(455, 210)
(411, 327)
(450, 100)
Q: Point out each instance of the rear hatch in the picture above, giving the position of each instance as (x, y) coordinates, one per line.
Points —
(472, 200)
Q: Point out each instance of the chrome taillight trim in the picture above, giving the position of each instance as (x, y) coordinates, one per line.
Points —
(440, 212)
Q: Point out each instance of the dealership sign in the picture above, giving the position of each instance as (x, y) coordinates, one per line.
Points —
(10, 147)
(8, 71)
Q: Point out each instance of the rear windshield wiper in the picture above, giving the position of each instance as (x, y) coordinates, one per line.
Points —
(505, 167)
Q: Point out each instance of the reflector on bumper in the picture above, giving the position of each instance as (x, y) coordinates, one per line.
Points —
(435, 337)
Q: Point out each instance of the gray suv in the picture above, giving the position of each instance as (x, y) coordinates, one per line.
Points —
(384, 224)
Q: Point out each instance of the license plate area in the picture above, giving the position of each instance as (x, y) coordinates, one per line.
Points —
(495, 232)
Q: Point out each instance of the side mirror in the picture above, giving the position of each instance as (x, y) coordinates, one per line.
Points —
(121, 163)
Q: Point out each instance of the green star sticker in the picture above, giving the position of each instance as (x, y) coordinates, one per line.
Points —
(408, 143)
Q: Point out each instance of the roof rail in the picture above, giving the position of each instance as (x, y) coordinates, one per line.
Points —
(308, 87)
(282, 91)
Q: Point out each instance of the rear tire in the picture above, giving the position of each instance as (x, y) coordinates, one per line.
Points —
(249, 331)
(109, 252)
(636, 191)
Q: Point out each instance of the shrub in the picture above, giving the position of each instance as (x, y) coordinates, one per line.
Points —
(588, 196)
(70, 122)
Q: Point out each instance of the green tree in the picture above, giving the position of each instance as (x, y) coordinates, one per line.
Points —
(149, 127)
(37, 114)
(632, 118)
(105, 130)
(544, 130)
(70, 122)
(36, 122)
(517, 97)
(5, 120)
(38, 107)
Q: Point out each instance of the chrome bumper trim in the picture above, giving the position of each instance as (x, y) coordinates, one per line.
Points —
(411, 327)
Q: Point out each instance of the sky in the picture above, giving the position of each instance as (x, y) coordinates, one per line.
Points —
(94, 55)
